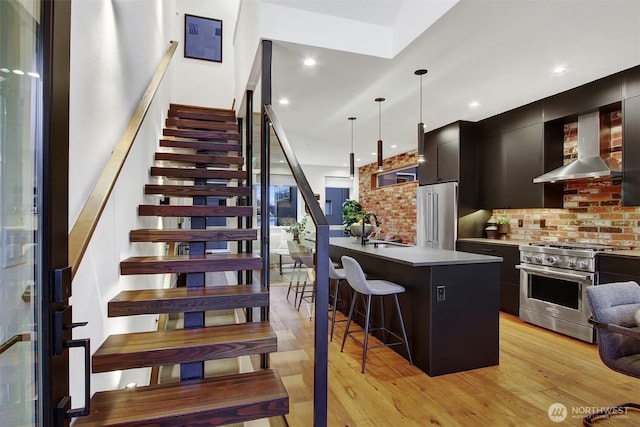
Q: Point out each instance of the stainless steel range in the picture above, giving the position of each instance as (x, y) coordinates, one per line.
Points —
(553, 282)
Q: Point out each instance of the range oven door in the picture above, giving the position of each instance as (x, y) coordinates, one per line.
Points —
(556, 299)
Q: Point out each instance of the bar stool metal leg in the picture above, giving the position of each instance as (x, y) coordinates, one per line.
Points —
(335, 303)
(404, 332)
(346, 331)
(293, 276)
(366, 333)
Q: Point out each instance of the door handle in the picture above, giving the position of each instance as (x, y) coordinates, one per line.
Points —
(62, 326)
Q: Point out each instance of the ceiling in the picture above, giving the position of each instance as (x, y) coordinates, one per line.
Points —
(497, 53)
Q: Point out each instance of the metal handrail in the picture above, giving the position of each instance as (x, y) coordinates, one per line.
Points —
(86, 223)
(13, 341)
(321, 345)
(321, 267)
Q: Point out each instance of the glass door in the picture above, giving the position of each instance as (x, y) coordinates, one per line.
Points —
(20, 139)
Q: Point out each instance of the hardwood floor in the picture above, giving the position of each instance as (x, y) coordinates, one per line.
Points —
(537, 369)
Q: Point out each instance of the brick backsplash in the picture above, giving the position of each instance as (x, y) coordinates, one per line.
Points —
(394, 205)
(592, 211)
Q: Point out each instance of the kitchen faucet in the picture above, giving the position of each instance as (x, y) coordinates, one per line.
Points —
(365, 220)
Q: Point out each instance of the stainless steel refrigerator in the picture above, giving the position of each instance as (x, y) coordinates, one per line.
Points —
(437, 209)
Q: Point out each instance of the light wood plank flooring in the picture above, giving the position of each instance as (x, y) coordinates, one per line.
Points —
(537, 369)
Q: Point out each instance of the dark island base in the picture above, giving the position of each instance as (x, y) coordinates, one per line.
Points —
(454, 335)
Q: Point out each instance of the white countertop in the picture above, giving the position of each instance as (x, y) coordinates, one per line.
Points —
(413, 255)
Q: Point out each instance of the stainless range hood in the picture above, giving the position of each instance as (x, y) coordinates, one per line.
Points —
(589, 164)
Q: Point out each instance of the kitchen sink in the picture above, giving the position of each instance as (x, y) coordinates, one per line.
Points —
(382, 244)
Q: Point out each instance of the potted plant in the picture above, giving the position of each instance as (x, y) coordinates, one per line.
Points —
(352, 212)
(503, 224)
(296, 228)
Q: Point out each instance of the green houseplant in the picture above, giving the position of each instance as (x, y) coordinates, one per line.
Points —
(296, 228)
(352, 212)
(503, 224)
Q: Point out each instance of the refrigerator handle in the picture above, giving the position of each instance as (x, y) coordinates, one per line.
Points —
(429, 217)
(436, 220)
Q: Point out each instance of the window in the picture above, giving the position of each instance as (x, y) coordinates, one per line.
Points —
(398, 176)
(283, 202)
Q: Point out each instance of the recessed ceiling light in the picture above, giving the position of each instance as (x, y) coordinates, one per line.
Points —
(309, 62)
(281, 161)
(559, 69)
(19, 72)
(5, 70)
(474, 104)
(283, 101)
(374, 154)
(394, 146)
(34, 75)
(357, 160)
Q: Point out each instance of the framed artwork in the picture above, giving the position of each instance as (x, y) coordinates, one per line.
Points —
(202, 38)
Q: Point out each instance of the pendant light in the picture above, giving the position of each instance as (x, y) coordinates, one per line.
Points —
(421, 72)
(352, 165)
(379, 101)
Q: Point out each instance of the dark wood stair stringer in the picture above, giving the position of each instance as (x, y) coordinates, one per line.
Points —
(199, 401)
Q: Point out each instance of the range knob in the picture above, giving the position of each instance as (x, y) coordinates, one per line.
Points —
(551, 260)
(538, 259)
(571, 263)
(528, 257)
(584, 264)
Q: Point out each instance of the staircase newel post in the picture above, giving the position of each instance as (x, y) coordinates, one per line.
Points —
(249, 182)
(265, 157)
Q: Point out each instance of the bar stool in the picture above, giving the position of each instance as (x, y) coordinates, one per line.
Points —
(369, 288)
(337, 275)
(295, 252)
(309, 264)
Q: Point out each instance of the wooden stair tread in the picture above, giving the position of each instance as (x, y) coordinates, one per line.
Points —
(207, 402)
(194, 211)
(198, 173)
(192, 235)
(184, 299)
(195, 108)
(162, 264)
(200, 158)
(157, 348)
(201, 115)
(187, 123)
(196, 190)
(200, 145)
(201, 134)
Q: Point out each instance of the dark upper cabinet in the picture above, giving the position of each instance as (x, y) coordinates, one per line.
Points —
(525, 149)
(631, 152)
(441, 162)
(442, 154)
(508, 163)
(492, 172)
(451, 155)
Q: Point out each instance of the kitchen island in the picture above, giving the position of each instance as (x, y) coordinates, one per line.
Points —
(450, 307)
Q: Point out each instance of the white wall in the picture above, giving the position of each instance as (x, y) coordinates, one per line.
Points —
(246, 44)
(209, 83)
(116, 46)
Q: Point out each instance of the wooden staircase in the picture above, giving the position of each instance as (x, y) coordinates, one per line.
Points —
(212, 136)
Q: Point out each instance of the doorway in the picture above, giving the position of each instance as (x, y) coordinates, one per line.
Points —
(33, 210)
(333, 200)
